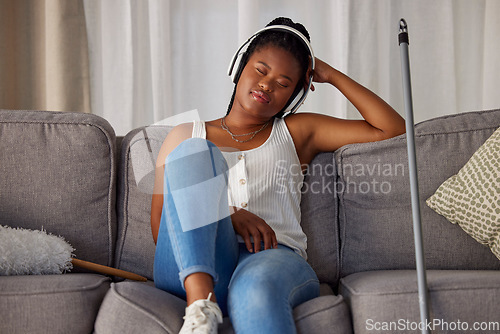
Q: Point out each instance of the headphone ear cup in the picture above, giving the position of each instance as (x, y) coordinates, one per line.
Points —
(292, 103)
(239, 65)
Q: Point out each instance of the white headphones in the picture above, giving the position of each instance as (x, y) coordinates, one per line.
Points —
(239, 61)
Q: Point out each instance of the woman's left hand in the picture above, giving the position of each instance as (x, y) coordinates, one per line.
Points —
(321, 72)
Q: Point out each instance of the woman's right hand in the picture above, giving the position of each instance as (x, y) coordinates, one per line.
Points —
(249, 225)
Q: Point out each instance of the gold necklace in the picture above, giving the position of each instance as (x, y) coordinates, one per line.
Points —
(254, 133)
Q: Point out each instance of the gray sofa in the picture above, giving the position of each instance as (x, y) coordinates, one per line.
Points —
(69, 174)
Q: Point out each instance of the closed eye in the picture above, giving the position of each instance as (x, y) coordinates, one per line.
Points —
(263, 71)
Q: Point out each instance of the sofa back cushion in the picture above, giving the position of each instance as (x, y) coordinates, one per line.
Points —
(319, 217)
(57, 172)
(135, 246)
(375, 215)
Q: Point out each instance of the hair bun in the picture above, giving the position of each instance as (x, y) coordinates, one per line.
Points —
(288, 22)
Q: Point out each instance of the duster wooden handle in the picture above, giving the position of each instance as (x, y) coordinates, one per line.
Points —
(107, 270)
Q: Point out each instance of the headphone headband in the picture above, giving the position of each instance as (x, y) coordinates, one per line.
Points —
(297, 102)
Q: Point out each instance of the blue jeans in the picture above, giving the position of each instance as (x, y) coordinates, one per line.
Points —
(258, 291)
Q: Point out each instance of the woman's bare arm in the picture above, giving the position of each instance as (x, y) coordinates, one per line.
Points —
(318, 133)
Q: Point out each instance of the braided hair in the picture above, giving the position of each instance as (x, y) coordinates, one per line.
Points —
(286, 41)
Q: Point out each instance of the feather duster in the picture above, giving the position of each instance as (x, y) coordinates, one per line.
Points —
(33, 252)
(26, 252)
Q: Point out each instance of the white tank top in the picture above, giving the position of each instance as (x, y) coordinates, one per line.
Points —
(266, 181)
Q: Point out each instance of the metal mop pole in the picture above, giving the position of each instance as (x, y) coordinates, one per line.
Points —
(412, 162)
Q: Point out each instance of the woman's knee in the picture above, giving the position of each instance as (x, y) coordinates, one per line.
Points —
(271, 274)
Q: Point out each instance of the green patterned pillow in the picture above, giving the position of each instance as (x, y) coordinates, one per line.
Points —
(471, 198)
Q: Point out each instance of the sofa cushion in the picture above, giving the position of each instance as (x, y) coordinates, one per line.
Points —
(131, 307)
(319, 218)
(323, 315)
(471, 197)
(387, 301)
(58, 173)
(51, 303)
(374, 197)
(135, 246)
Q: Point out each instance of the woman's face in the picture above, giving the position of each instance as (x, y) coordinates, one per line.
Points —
(267, 82)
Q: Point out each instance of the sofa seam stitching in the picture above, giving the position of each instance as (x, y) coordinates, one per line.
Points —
(431, 290)
(402, 137)
(341, 203)
(124, 205)
(323, 309)
(94, 286)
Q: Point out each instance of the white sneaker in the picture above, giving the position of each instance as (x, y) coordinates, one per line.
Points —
(202, 317)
